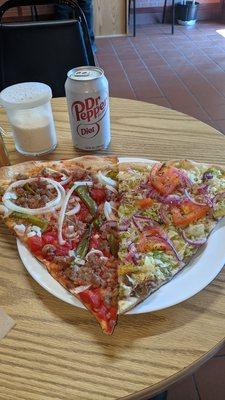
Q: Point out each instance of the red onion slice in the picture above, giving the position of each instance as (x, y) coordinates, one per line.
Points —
(207, 175)
(163, 215)
(109, 224)
(133, 254)
(189, 197)
(169, 242)
(142, 222)
(193, 242)
(172, 199)
(185, 180)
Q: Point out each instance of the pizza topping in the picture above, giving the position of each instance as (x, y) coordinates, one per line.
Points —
(156, 239)
(82, 248)
(19, 229)
(31, 219)
(106, 180)
(142, 222)
(49, 251)
(194, 242)
(109, 212)
(165, 179)
(171, 199)
(75, 210)
(62, 213)
(10, 195)
(132, 255)
(207, 175)
(188, 212)
(33, 231)
(163, 213)
(84, 195)
(145, 203)
(98, 194)
(94, 251)
(189, 197)
(35, 244)
(113, 244)
(111, 189)
(27, 203)
(80, 289)
(62, 177)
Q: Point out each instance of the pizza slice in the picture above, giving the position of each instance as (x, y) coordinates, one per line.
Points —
(65, 213)
(166, 213)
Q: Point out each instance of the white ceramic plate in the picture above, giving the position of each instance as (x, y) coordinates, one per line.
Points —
(191, 280)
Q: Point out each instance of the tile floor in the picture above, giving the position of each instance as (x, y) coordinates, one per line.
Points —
(186, 72)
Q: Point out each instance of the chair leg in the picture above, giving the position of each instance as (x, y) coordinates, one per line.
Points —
(173, 15)
(164, 12)
(134, 18)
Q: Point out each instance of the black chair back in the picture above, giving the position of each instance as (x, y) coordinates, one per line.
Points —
(43, 51)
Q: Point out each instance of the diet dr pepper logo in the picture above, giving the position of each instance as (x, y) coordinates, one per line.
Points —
(88, 114)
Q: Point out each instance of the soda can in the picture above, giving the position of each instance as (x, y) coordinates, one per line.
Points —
(87, 94)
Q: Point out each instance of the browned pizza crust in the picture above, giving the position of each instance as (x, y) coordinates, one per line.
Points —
(124, 166)
(185, 164)
(91, 163)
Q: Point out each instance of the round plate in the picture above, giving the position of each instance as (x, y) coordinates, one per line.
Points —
(191, 280)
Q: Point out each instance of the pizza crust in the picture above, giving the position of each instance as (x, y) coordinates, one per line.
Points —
(91, 163)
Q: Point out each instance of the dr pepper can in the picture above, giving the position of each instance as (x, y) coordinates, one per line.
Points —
(87, 94)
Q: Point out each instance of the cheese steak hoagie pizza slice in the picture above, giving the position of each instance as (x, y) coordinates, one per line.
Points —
(65, 213)
(166, 213)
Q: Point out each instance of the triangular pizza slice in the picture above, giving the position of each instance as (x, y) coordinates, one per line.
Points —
(65, 213)
(166, 213)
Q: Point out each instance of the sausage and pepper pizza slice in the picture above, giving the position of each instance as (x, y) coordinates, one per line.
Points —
(65, 213)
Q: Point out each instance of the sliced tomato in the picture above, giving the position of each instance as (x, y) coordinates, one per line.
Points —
(91, 297)
(113, 312)
(188, 212)
(48, 238)
(165, 179)
(154, 230)
(145, 203)
(35, 244)
(152, 239)
(64, 250)
(94, 242)
(152, 243)
(102, 313)
(98, 195)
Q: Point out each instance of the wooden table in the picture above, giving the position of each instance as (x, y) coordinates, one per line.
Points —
(57, 351)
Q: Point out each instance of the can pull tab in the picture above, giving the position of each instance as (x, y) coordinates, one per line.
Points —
(4, 158)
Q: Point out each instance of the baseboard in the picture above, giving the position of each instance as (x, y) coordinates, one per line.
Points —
(145, 15)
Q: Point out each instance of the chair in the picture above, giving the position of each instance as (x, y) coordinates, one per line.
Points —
(134, 15)
(163, 17)
(43, 51)
(173, 14)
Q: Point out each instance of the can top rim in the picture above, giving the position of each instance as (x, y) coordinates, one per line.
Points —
(80, 77)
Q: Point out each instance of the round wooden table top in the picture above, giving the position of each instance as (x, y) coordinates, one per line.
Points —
(57, 351)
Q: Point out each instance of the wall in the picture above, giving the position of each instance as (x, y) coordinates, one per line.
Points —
(150, 11)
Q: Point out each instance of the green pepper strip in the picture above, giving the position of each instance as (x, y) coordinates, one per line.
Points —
(113, 244)
(29, 189)
(97, 223)
(82, 247)
(82, 192)
(42, 223)
(112, 174)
